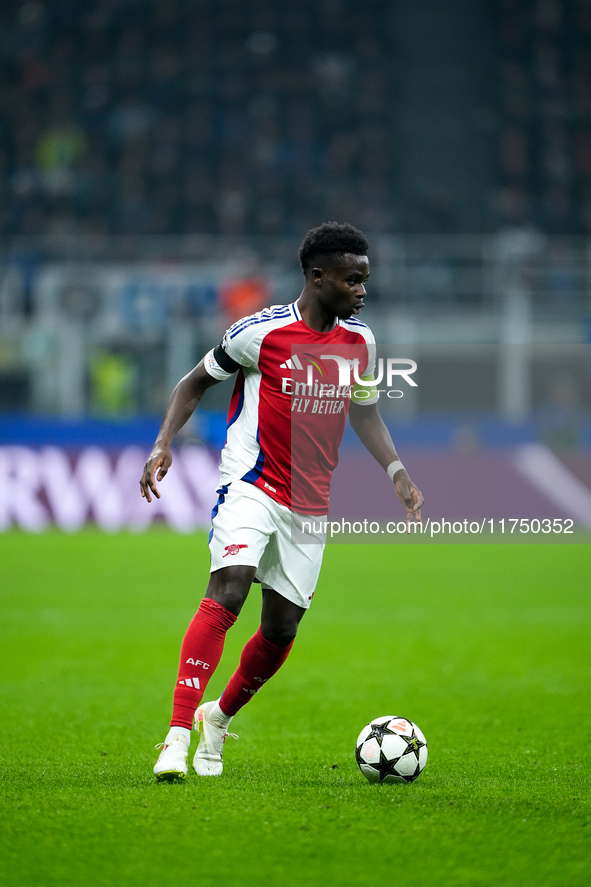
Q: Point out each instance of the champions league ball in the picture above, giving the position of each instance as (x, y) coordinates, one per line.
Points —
(391, 749)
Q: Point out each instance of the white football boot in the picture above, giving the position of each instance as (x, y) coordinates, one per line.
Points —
(172, 763)
(208, 760)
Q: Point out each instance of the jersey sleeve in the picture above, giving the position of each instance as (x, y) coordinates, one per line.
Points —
(241, 342)
(237, 349)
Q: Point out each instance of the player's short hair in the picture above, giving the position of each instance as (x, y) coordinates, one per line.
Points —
(331, 239)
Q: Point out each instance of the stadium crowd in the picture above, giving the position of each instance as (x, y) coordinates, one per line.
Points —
(233, 117)
(167, 116)
(544, 58)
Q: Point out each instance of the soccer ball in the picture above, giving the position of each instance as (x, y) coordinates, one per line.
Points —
(391, 749)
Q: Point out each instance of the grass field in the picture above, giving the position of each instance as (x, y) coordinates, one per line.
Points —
(485, 647)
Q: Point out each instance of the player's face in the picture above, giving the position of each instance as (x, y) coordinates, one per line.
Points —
(341, 285)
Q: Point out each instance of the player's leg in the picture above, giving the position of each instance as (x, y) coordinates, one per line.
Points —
(201, 651)
(262, 656)
(288, 574)
(203, 643)
(241, 527)
(264, 653)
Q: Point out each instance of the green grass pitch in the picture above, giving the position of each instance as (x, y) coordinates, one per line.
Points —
(485, 647)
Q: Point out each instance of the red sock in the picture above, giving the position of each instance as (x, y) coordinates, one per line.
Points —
(201, 651)
(259, 661)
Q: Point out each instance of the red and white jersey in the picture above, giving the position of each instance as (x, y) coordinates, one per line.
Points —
(288, 411)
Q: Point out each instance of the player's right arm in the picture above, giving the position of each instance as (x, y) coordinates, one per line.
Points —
(180, 407)
(218, 364)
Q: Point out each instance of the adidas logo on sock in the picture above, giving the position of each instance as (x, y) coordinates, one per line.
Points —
(191, 682)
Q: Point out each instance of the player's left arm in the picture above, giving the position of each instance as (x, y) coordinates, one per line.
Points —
(371, 430)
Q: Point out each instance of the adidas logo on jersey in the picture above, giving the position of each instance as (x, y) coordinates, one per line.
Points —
(294, 363)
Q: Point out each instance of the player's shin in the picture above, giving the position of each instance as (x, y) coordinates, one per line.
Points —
(259, 661)
(201, 651)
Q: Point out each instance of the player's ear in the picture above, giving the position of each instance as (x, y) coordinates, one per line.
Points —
(316, 275)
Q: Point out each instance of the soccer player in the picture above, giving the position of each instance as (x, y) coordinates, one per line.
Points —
(284, 430)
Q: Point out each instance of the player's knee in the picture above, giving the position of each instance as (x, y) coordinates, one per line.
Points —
(281, 635)
(279, 618)
(231, 599)
(230, 587)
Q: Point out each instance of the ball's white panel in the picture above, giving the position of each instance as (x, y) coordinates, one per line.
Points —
(380, 721)
(401, 725)
(370, 751)
(393, 746)
(391, 777)
(407, 764)
(423, 756)
(363, 735)
(370, 773)
(419, 734)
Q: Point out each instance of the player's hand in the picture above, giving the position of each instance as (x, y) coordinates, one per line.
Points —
(155, 469)
(410, 496)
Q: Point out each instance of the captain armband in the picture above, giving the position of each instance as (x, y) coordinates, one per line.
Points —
(365, 392)
(219, 365)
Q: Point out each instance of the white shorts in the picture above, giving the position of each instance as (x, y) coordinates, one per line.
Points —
(250, 528)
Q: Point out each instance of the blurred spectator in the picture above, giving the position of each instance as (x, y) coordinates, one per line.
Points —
(113, 378)
(245, 290)
(241, 297)
(59, 148)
